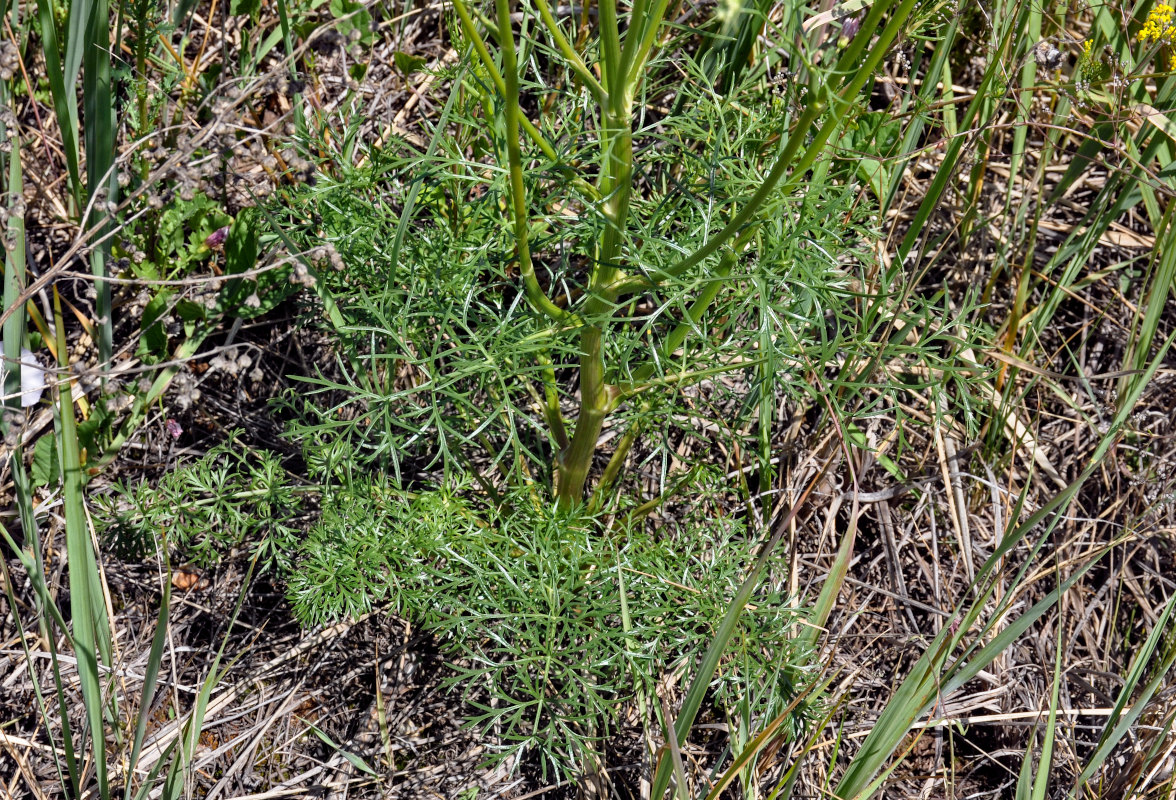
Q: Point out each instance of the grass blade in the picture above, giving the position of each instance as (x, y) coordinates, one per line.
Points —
(930, 677)
(87, 608)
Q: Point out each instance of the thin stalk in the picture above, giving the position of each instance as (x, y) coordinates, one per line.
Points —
(610, 47)
(694, 314)
(288, 43)
(1156, 297)
(781, 165)
(574, 61)
(142, 41)
(640, 56)
(534, 292)
(800, 131)
(551, 409)
(613, 468)
(479, 45)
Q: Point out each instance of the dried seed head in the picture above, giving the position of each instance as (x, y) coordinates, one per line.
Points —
(1046, 55)
(186, 390)
(300, 274)
(9, 57)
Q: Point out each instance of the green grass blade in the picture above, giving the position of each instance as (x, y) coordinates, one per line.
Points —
(1041, 782)
(1156, 297)
(722, 638)
(101, 181)
(1121, 720)
(65, 104)
(87, 609)
(189, 738)
(150, 676)
(14, 282)
(930, 676)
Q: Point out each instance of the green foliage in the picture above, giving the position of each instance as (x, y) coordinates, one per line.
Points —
(449, 310)
(480, 301)
(511, 590)
(352, 15)
(46, 470)
(173, 240)
(232, 497)
(528, 600)
(245, 7)
(407, 64)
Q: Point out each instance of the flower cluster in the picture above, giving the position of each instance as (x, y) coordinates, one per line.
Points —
(1159, 27)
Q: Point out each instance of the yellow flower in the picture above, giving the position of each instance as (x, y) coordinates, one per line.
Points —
(1086, 48)
(1158, 27)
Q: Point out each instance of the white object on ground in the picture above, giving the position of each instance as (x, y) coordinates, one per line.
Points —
(32, 376)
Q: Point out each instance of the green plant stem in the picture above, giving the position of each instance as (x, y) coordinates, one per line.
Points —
(615, 462)
(535, 294)
(597, 398)
(783, 161)
(533, 133)
(551, 410)
(574, 61)
(640, 56)
(694, 315)
(610, 47)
